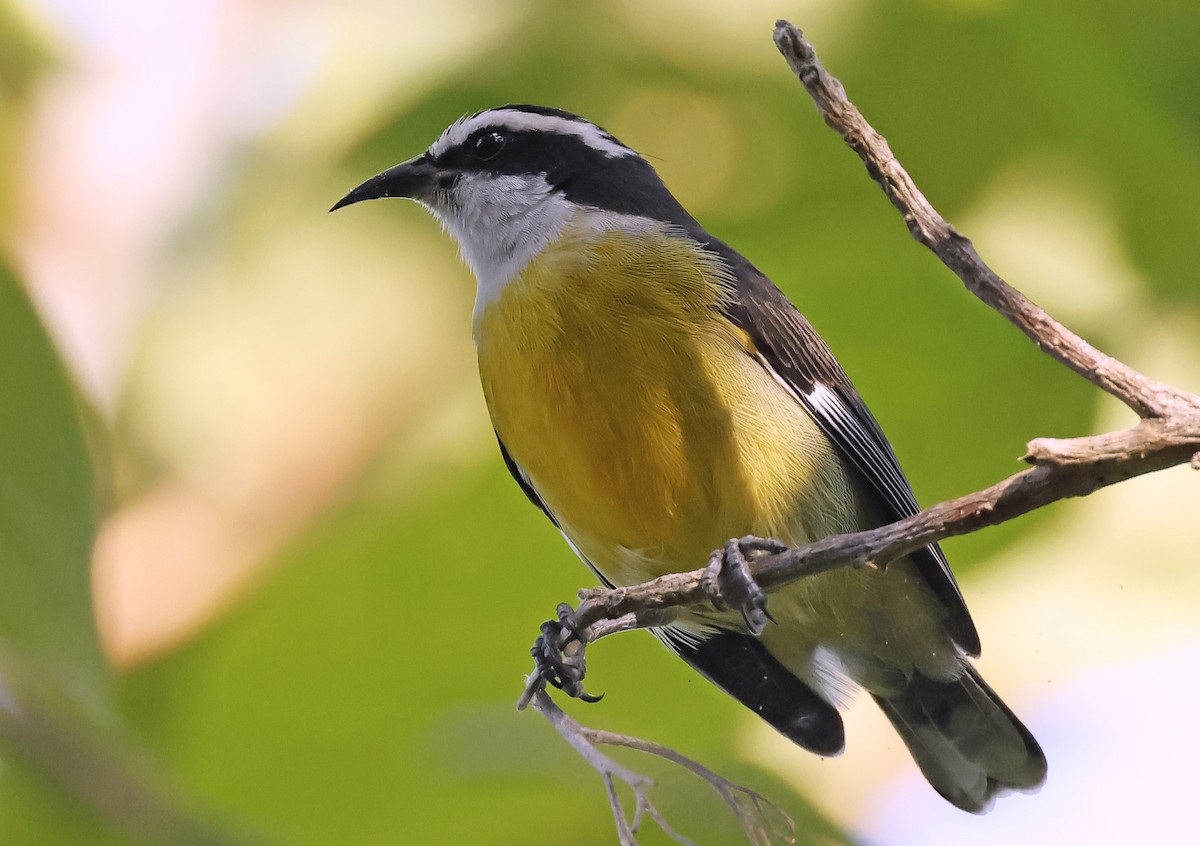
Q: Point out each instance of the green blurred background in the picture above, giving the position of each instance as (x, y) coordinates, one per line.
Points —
(263, 577)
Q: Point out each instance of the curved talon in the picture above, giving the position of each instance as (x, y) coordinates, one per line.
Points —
(558, 655)
(728, 581)
(576, 691)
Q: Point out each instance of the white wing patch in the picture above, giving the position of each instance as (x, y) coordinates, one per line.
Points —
(519, 121)
(828, 406)
(831, 406)
(874, 460)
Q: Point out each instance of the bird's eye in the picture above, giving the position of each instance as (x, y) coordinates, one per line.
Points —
(489, 145)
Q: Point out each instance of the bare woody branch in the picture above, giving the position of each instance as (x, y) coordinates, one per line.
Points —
(1167, 435)
(1145, 396)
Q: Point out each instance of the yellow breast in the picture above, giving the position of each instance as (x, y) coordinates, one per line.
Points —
(638, 411)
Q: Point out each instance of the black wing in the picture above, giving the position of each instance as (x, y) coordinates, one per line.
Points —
(741, 666)
(789, 347)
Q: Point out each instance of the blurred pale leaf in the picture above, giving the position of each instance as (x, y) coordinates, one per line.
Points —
(46, 526)
(46, 509)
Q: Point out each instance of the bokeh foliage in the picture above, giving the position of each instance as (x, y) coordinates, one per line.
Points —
(49, 646)
(364, 692)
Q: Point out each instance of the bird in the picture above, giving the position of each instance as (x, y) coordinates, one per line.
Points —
(655, 395)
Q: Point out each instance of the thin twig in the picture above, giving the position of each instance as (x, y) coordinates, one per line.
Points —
(752, 810)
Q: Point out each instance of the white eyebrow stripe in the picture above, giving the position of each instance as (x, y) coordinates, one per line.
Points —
(518, 121)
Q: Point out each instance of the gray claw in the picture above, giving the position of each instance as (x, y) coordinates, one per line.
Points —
(558, 655)
(727, 580)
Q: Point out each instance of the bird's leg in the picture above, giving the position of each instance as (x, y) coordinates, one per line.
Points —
(729, 582)
(558, 655)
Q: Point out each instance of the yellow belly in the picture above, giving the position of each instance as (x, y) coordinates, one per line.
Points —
(639, 413)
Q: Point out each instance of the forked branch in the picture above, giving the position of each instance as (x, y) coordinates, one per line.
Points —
(762, 821)
(1167, 434)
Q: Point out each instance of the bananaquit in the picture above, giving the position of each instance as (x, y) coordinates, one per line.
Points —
(654, 395)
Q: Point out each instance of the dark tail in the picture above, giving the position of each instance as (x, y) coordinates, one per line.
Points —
(966, 741)
(741, 666)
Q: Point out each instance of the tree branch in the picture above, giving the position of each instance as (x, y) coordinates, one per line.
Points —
(1167, 434)
(1145, 396)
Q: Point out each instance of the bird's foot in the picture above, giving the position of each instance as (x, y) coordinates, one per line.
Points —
(558, 656)
(729, 582)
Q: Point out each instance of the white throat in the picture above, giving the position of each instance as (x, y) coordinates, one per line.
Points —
(501, 223)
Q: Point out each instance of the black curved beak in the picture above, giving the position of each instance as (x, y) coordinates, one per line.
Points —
(413, 179)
